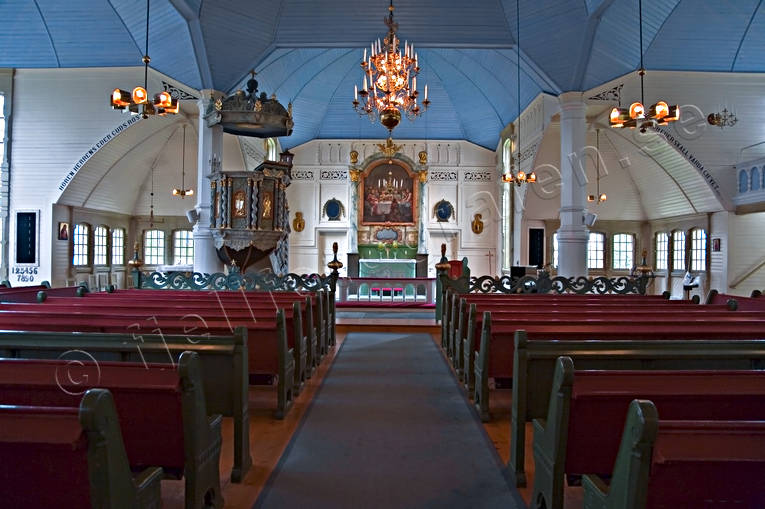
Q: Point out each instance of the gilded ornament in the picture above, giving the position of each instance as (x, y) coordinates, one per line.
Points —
(354, 157)
(258, 107)
(389, 149)
(423, 176)
(423, 155)
(218, 104)
(477, 224)
(298, 224)
(355, 174)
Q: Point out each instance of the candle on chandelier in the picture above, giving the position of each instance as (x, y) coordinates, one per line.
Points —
(426, 92)
(415, 60)
(365, 55)
(355, 92)
(365, 83)
(414, 84)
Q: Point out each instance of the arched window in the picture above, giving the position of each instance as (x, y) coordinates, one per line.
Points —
(507, 154)
(80, 237)
(698, 249)
(596, 250)
(183, 247)
(678, 250)
(555, 250)
(271, 150)
(743, 181)
(624, 251)
(118, 246)
(754, 179)
(662, 251)
(154, 247)
(100, 239)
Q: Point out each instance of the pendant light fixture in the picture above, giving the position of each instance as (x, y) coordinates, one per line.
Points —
(183, 192)
(521, 177)
(137, 101)
(636, 115)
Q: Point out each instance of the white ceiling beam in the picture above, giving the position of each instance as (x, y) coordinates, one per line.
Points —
(197, 41)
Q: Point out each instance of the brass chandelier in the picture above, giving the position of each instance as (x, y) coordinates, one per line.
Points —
(389, 88)
(520, 177)
(636, 115)
(183, 192)
(137, 101)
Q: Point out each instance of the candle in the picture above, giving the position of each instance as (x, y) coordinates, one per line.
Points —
(365, 55)
(365, 82)
(426, 92)
(415, 60)
(373, 50)
(414, 84)
(355, 92)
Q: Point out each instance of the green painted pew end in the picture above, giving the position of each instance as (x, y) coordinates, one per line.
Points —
(633, 462)
(481, 390)
(111, 482)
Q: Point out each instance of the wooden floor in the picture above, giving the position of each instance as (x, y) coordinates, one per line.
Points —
(269, 438)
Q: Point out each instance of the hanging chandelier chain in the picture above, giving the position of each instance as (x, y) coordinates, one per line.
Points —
(183, 160)
(146, 58)
(642, 67)
(518, 71)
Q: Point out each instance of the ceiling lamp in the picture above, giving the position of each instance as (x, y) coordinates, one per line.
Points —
(636, 115)
(521, 177)
(137, 101)
(389, 89)
(722, 119)
(183, 192)
(599, 197)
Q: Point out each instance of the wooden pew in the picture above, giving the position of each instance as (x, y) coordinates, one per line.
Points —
(266, 353)
(468, 331)
(535, 366)
(177, 434)
(70, 457)
(663, 464)
(586, 413)
(494, 358)
(222, 358)
(753, 303)
(35, 293)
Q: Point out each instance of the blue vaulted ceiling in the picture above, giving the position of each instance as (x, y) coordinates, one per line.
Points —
(307, 51)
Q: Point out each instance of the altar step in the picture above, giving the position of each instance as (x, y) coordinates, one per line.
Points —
(390, 320)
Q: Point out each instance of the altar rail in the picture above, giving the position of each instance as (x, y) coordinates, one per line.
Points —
(369, 289)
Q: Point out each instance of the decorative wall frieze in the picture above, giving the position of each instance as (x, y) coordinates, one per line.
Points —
(442, 175)
(479, 176)
(333, 174)
(302, 175)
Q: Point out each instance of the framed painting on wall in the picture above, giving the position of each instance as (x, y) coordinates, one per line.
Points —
(389, 195)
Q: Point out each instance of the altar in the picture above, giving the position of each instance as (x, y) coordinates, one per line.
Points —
(391, 268)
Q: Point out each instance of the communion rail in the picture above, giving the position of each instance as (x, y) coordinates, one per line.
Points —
(419, 290)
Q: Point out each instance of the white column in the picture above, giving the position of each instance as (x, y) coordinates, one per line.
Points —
(572, 234)
(423, 237)
(353, 219)
(210, 144)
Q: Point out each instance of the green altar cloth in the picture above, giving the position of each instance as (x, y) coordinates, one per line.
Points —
(390, 268)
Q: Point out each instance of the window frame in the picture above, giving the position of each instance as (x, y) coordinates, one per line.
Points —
(614, 238)
(175, 245)
(683, 251)
(88, 255)
(668, 237)
(113, 251)
(603, 244)
(161, 249)
(692, 249)
(106, 246)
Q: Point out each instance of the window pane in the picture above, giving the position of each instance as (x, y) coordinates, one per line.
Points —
(662, 251)
(678, 250)
(154, 247)
(698, 249)
(183, 248)
(555, 250)
(623, 251)
(80, 244)
(99, 245)
(118, 246)
(595, 250)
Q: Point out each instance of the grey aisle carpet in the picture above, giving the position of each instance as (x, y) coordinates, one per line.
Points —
(389, 428)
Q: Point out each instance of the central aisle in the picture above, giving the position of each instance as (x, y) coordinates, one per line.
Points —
(389, 428)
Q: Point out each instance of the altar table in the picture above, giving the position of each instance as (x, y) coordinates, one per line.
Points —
(387, 268)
